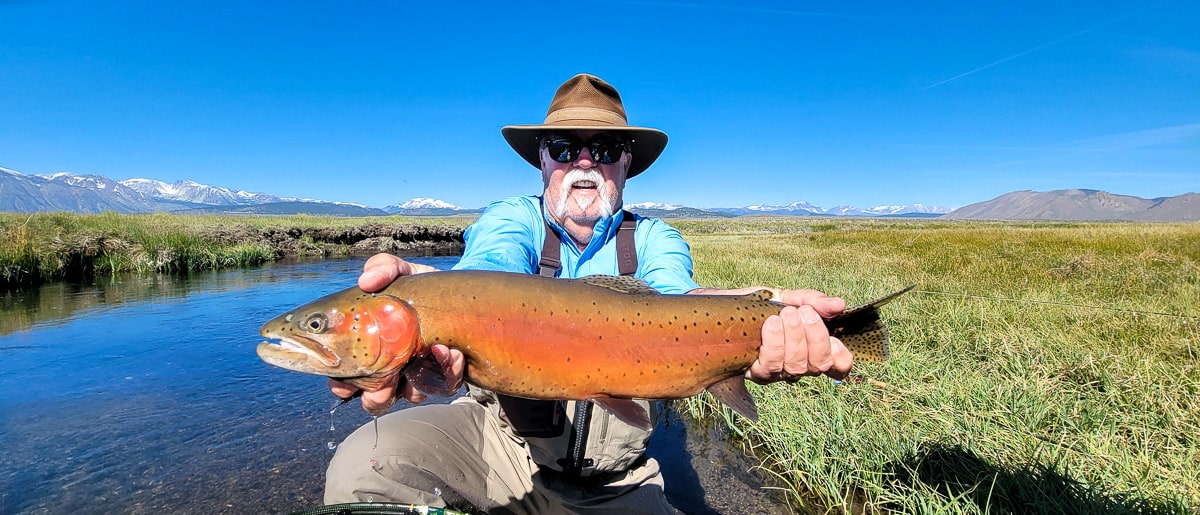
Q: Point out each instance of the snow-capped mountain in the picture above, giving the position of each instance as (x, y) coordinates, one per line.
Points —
(96, 193)
(428, 203)
(807, 209)
(188, 191)
(424, 206)
(78, 193)
(653, 205)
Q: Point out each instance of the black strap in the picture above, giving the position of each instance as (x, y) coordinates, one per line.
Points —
(549, 264)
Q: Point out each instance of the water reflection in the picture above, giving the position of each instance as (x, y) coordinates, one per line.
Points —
(22, 309)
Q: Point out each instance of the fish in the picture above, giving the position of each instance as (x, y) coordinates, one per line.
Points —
(604, 339)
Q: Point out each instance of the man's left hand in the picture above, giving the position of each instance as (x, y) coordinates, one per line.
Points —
(796, 342)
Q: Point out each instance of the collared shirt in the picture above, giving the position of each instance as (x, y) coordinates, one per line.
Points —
(508, 237)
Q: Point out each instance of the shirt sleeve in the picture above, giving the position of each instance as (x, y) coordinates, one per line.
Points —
(501, 239)
(664, 258)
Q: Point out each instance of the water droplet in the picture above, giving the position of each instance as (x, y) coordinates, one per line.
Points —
(331, 445)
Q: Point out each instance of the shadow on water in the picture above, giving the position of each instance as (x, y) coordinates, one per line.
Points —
(144, 395)
(705, 473)
(957, 472)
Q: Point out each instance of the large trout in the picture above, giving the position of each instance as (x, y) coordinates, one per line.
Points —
(600, 338)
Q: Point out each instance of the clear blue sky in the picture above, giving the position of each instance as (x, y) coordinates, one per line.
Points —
(862, 103)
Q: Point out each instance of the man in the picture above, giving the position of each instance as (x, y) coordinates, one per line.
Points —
(497, 454)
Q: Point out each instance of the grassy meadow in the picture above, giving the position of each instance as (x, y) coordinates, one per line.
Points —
(1037, 368)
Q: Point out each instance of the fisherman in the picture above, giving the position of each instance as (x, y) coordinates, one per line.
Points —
(492, 453)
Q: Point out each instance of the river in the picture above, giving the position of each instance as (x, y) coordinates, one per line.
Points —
(143, 394)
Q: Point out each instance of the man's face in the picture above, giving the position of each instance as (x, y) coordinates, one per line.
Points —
(583, 190)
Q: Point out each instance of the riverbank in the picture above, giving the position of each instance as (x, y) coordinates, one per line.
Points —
(40, 247)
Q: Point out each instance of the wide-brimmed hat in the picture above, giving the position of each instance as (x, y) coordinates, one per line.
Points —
(585, 102)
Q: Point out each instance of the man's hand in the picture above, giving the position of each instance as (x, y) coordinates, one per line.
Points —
(795, 342)
(378, 272)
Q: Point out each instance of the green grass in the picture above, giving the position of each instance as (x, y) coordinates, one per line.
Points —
(1056, 370)
(49, 246)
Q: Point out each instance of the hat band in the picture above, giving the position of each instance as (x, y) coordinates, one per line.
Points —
(584, 116)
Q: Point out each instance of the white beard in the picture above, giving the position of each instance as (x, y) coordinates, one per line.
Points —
(605, 196)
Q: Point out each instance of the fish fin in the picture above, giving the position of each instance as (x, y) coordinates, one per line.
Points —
(763, 294)
(877, 302)
(868, 341)
(629, 411)
(860, 329)
(733, 393)
(622, 284)
(425, 374)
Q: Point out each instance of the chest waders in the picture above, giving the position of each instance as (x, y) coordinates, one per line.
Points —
(534, 418)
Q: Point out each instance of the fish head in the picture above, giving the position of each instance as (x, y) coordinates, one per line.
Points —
(355, 337)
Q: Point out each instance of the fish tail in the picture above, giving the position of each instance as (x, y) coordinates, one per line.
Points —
(862, 331)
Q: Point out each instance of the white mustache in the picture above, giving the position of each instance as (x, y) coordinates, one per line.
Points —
(577, 175)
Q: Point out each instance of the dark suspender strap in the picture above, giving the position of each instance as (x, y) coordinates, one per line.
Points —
(627, 262)
(626, 255)
(549, 263)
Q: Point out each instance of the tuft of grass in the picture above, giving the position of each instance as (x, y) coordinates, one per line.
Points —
(1039, 367)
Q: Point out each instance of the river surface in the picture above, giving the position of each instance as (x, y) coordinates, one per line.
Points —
(143, 394)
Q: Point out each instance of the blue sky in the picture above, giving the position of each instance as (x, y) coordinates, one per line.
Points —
(862, 103)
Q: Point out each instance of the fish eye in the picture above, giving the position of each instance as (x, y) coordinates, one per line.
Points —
(316, 323)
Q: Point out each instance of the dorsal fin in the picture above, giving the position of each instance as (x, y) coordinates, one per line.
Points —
(763, 294)
(630, 285)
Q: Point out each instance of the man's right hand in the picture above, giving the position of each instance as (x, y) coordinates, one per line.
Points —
(378, 273)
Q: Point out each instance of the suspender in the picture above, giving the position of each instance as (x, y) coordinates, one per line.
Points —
(549, 266)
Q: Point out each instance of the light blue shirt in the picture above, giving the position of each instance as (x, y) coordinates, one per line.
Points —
(509, 234)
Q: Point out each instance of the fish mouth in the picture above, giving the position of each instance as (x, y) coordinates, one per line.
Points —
(285, 348)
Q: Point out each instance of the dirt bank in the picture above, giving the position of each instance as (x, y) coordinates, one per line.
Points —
(363, 240)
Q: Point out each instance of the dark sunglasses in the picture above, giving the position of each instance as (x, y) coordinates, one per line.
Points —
(566, 149)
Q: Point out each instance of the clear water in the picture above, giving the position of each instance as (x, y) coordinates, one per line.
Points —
(144, 394)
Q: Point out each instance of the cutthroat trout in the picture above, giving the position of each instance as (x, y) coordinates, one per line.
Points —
(600, 338)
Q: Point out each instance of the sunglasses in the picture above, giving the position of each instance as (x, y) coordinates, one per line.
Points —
(565, 149)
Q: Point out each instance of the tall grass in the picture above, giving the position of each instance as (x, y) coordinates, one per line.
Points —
(1045, 367)
(49, 246)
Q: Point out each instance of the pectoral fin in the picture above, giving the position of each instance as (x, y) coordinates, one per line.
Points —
(629, 411)
(425, 374)
(733, 393)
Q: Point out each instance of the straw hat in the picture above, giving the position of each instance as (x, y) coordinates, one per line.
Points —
(585, 102)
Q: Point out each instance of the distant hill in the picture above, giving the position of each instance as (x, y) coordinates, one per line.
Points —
(656, 210)
(289, 208)
(1082, 204)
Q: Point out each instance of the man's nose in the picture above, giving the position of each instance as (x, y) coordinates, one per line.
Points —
(585, 158)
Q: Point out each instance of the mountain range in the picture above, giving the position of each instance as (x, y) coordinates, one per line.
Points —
(1079, 204)
(96, 193)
